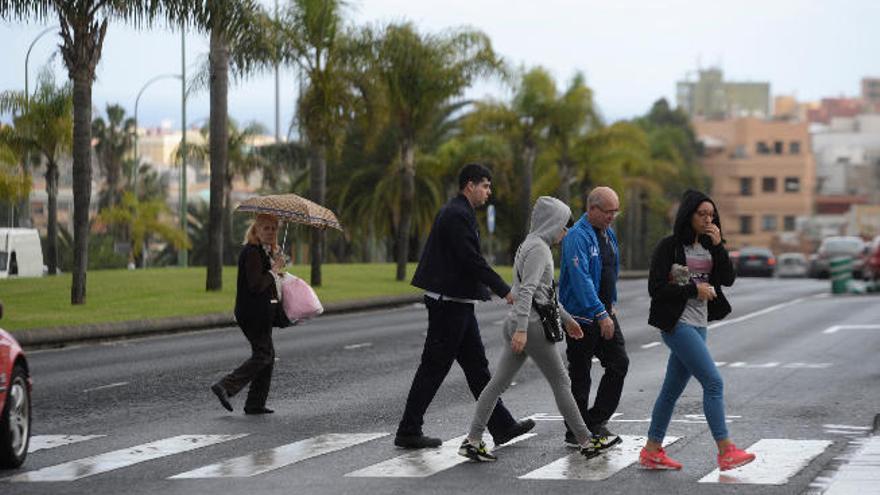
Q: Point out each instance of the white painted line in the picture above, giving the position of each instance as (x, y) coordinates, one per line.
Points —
(693, 419)
(776, 461)
(652, 344)
(358, 346)
(45, 442)
(861, 471)
(842, 432)
(425, 462)
(808, 365)
(105, 387)
(837, 328)
(848, 427)
(720, 363)
(742, 364)
(285, 455)
(576, 467)
(760, 312)
(117, 459)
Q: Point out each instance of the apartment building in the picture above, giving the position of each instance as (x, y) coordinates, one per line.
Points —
(710, 96)
(763, 178)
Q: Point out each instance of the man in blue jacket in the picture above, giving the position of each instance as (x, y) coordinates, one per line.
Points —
(588, 291)
(454, 275)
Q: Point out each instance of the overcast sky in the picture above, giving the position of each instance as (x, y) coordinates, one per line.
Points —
(631, 51)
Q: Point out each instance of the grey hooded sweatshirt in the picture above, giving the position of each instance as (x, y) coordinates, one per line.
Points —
(533, 265)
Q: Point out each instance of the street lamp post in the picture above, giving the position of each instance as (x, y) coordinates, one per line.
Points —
(182, 255)
(137, 100)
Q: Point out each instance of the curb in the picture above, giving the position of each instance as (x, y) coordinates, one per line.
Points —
(64, 335)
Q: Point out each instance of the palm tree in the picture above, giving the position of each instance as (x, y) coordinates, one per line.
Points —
(44, 125)
(241, 36)
(142, 219)
(83, 25)
(15, 181)
(311, 39)
(114, 138)
(420, 74)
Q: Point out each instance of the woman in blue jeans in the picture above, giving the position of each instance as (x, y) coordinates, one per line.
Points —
(688, 269)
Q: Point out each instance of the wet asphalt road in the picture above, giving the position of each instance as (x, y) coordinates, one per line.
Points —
(785, 378)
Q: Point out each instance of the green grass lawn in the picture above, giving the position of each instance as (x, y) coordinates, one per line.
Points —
(119, 295)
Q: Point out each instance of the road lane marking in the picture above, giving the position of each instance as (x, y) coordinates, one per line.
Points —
(860, 472)
(358, 346)
(761, 312)
(652, 344)
(285, 455)
(105, 387)
(776, 461)
(837, 328)
(45, 442)
(425, 462)
(848, 427)
(576, 467)
(90, 466)
(808, 365)
(743, 364)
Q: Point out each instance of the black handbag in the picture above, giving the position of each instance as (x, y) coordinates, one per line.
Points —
(549, 316)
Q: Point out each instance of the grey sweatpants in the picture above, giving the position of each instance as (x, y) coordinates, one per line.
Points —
(545, 355)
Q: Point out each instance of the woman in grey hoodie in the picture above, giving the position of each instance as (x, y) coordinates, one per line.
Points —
(532, 279)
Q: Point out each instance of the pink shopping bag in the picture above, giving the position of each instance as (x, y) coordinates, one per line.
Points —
(299, 299)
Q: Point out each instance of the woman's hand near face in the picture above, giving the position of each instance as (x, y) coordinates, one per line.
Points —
(714, 233)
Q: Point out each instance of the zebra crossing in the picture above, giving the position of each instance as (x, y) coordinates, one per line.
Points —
(778, 460)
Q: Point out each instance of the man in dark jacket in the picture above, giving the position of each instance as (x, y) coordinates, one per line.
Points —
(454, 275)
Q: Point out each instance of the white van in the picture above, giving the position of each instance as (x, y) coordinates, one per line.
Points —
(20, 253)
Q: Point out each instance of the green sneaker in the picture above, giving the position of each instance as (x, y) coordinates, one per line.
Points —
(477, 453)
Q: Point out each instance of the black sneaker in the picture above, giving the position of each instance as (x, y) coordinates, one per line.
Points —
(603, 438)
(416, 441)
(590, 451)
(222, 396)
(570, 441)
(476, 453)
(520, 428)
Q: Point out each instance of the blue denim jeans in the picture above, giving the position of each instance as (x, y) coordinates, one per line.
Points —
(689, 356)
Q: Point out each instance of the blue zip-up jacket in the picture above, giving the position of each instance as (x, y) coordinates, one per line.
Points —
(581, 272)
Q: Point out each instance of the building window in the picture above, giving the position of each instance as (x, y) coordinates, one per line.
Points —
(768, 223)
(768, 184)
(745, 186)
(794, 147)
(740, 151)
(745, 224)
(761, 148)
(778, 147)
(792, 184)
(788, 223)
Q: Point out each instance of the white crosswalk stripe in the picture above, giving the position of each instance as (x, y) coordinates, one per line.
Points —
(117, 459)
(45, 442)
(424, 462)
(285, 455)
(776, 461)
(576, 467)
(861, 473)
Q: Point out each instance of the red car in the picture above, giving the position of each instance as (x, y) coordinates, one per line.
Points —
(872, 263)
(15, 402)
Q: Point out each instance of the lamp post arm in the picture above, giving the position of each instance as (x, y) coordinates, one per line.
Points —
(27, 58)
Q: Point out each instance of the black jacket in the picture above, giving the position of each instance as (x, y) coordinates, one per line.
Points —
(668, 299)
(255, 288)
(451, 263)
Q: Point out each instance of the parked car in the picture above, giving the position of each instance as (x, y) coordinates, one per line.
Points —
(871, 270)
(836, 246)
(20, 253)
(755, 261)
(15, 402)
(791, 265)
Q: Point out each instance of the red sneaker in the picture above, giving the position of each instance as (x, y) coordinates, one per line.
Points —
(733, 457)
(657, 460)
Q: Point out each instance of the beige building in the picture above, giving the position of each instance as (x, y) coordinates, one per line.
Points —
(763, 178)
(711, 96)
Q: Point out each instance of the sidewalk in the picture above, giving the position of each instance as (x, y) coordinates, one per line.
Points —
(64, 335)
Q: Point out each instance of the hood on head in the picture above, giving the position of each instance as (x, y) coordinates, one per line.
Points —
(549, 215)
(690, 201)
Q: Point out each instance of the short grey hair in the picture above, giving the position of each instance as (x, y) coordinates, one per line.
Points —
(598, 196)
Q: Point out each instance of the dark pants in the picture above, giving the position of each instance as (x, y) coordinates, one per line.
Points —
(453, 335)
(612, 356)
(257, 369)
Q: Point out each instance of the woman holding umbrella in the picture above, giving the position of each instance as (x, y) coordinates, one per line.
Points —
(260, 265)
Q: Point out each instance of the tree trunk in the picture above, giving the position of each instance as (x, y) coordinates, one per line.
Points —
(227, 221)
(82, 180)
(52, 220)
(530, 153)
(219, 143)
(407, 203)
(564, 191)
(317, 193)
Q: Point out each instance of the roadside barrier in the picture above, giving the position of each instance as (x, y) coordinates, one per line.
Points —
(841, 274)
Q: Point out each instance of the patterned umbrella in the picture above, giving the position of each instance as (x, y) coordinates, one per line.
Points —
(292, 208)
